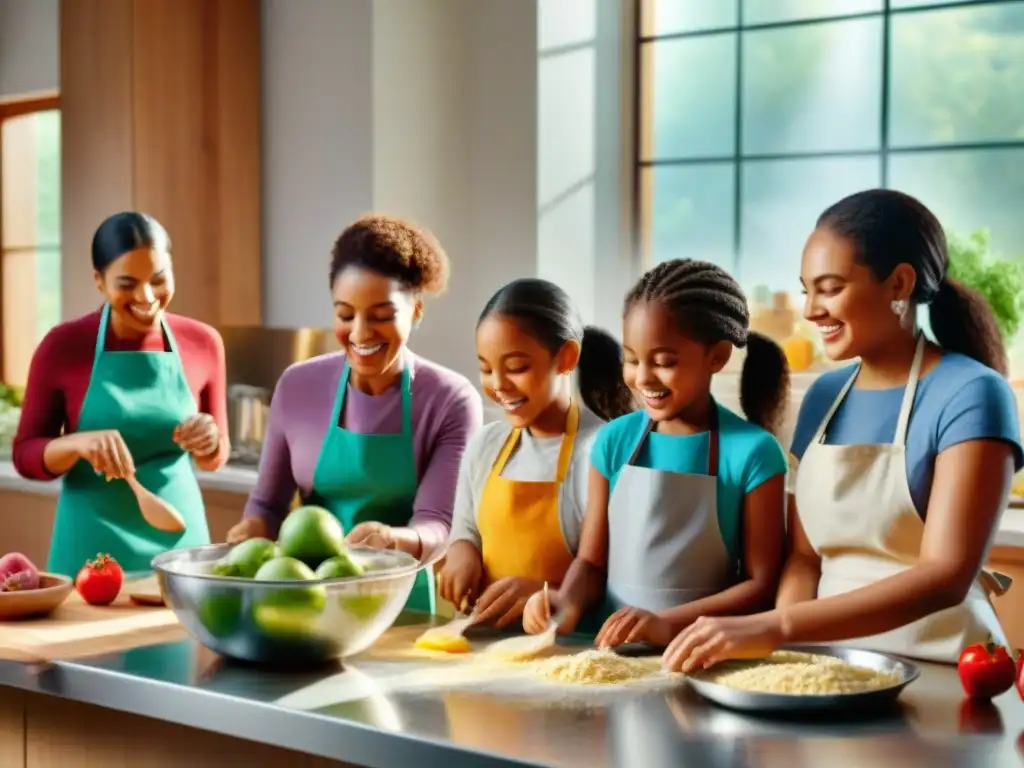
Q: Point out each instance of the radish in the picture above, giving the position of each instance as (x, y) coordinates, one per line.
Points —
(17, 573)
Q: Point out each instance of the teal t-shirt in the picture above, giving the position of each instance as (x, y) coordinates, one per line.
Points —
(748, 455)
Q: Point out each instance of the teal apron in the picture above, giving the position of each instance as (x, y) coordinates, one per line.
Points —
(144, 396)
(372, 478)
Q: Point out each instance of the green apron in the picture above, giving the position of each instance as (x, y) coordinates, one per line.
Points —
(372, 478)
(144, 396)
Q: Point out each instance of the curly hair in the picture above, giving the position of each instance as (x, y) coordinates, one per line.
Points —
(709, 306)
(394, 248)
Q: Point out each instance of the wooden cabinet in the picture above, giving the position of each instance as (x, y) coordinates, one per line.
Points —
(161, 113)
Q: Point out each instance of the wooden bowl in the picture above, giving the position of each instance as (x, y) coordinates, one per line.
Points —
(53, 590)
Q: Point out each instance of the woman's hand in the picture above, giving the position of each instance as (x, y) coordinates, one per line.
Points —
(537, 613)
(198, 435)
(107, 452)
(249, 528)
(503, 602)
(463, 571)
(380, 536)
(634, 625)
(712, 639)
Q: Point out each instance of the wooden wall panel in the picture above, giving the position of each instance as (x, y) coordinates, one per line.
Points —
(96, 134)
(175, 163)
(238, 171)
(186, 148)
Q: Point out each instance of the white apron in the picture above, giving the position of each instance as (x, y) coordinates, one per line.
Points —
(856, 508)
(664, 545)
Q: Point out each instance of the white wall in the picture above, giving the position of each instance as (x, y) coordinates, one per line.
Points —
(29, 46)
(496, 123)
(317, 134)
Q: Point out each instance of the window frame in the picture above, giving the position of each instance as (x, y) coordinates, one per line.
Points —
(9, 109)
(643, 110)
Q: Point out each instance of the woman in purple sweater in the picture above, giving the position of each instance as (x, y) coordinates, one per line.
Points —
(374, 433)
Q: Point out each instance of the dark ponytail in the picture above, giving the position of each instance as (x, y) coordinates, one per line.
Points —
(765, 361)
(600, 375)
(709, 306)
(888, 228)
(545, 311)
(963, 322)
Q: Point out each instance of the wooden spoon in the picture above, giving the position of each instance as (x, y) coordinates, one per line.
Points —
(157, 512)
(525, 648)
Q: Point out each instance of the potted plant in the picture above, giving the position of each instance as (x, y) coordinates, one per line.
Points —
(999, 280)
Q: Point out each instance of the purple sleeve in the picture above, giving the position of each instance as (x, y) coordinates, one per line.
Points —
(275, 487)
(455, 423)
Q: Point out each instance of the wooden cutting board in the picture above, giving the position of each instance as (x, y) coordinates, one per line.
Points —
(79, 630)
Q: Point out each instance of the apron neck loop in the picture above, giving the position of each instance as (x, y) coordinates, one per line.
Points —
(712, 465)
(101, 335)
(564, 453)
(905, 406)
(406, 386)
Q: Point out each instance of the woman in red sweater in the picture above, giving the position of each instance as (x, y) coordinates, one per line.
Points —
(127, 390)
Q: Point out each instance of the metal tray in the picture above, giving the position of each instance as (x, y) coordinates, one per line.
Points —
(753, 701)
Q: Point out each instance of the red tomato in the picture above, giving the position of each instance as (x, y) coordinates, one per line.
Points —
(986, 671)
(1019, 677)
(99, 581)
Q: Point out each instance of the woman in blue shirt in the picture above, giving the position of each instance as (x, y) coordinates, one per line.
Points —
(686, 499)
(905, 458)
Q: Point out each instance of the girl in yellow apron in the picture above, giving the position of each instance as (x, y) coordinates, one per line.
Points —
(905, 458)
(686, 501)
(523, 480)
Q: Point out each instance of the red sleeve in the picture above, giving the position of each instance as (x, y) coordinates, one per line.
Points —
(58, 378)
(214, 396)
(203, 359)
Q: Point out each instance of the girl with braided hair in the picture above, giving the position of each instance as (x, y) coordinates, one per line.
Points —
(686, 500)
(522, 485)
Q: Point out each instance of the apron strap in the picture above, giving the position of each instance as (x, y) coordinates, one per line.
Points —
(339, 396)
(101, 336)
(406, 400)
(713, 432)
(640, 443)
(569, 441)
(903, 422)
(819, 436)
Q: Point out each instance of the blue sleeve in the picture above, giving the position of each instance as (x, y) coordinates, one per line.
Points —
(601, 452)
(606, 452)
(984, 408)
(767, 459)
(815, 404)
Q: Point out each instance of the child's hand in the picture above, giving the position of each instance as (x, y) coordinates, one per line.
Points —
(538, 612)
(503, 602)
(634, 625)
(463, 571)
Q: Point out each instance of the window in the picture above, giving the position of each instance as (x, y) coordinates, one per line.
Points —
(754, 115)
(30, 247)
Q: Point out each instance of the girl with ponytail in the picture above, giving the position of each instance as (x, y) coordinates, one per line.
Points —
(522, 485)
(687, 499)
(906, 457)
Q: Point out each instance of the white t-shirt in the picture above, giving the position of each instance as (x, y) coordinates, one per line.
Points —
(534, 459)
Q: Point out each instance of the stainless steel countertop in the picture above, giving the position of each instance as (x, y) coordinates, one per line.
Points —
(387, 708)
